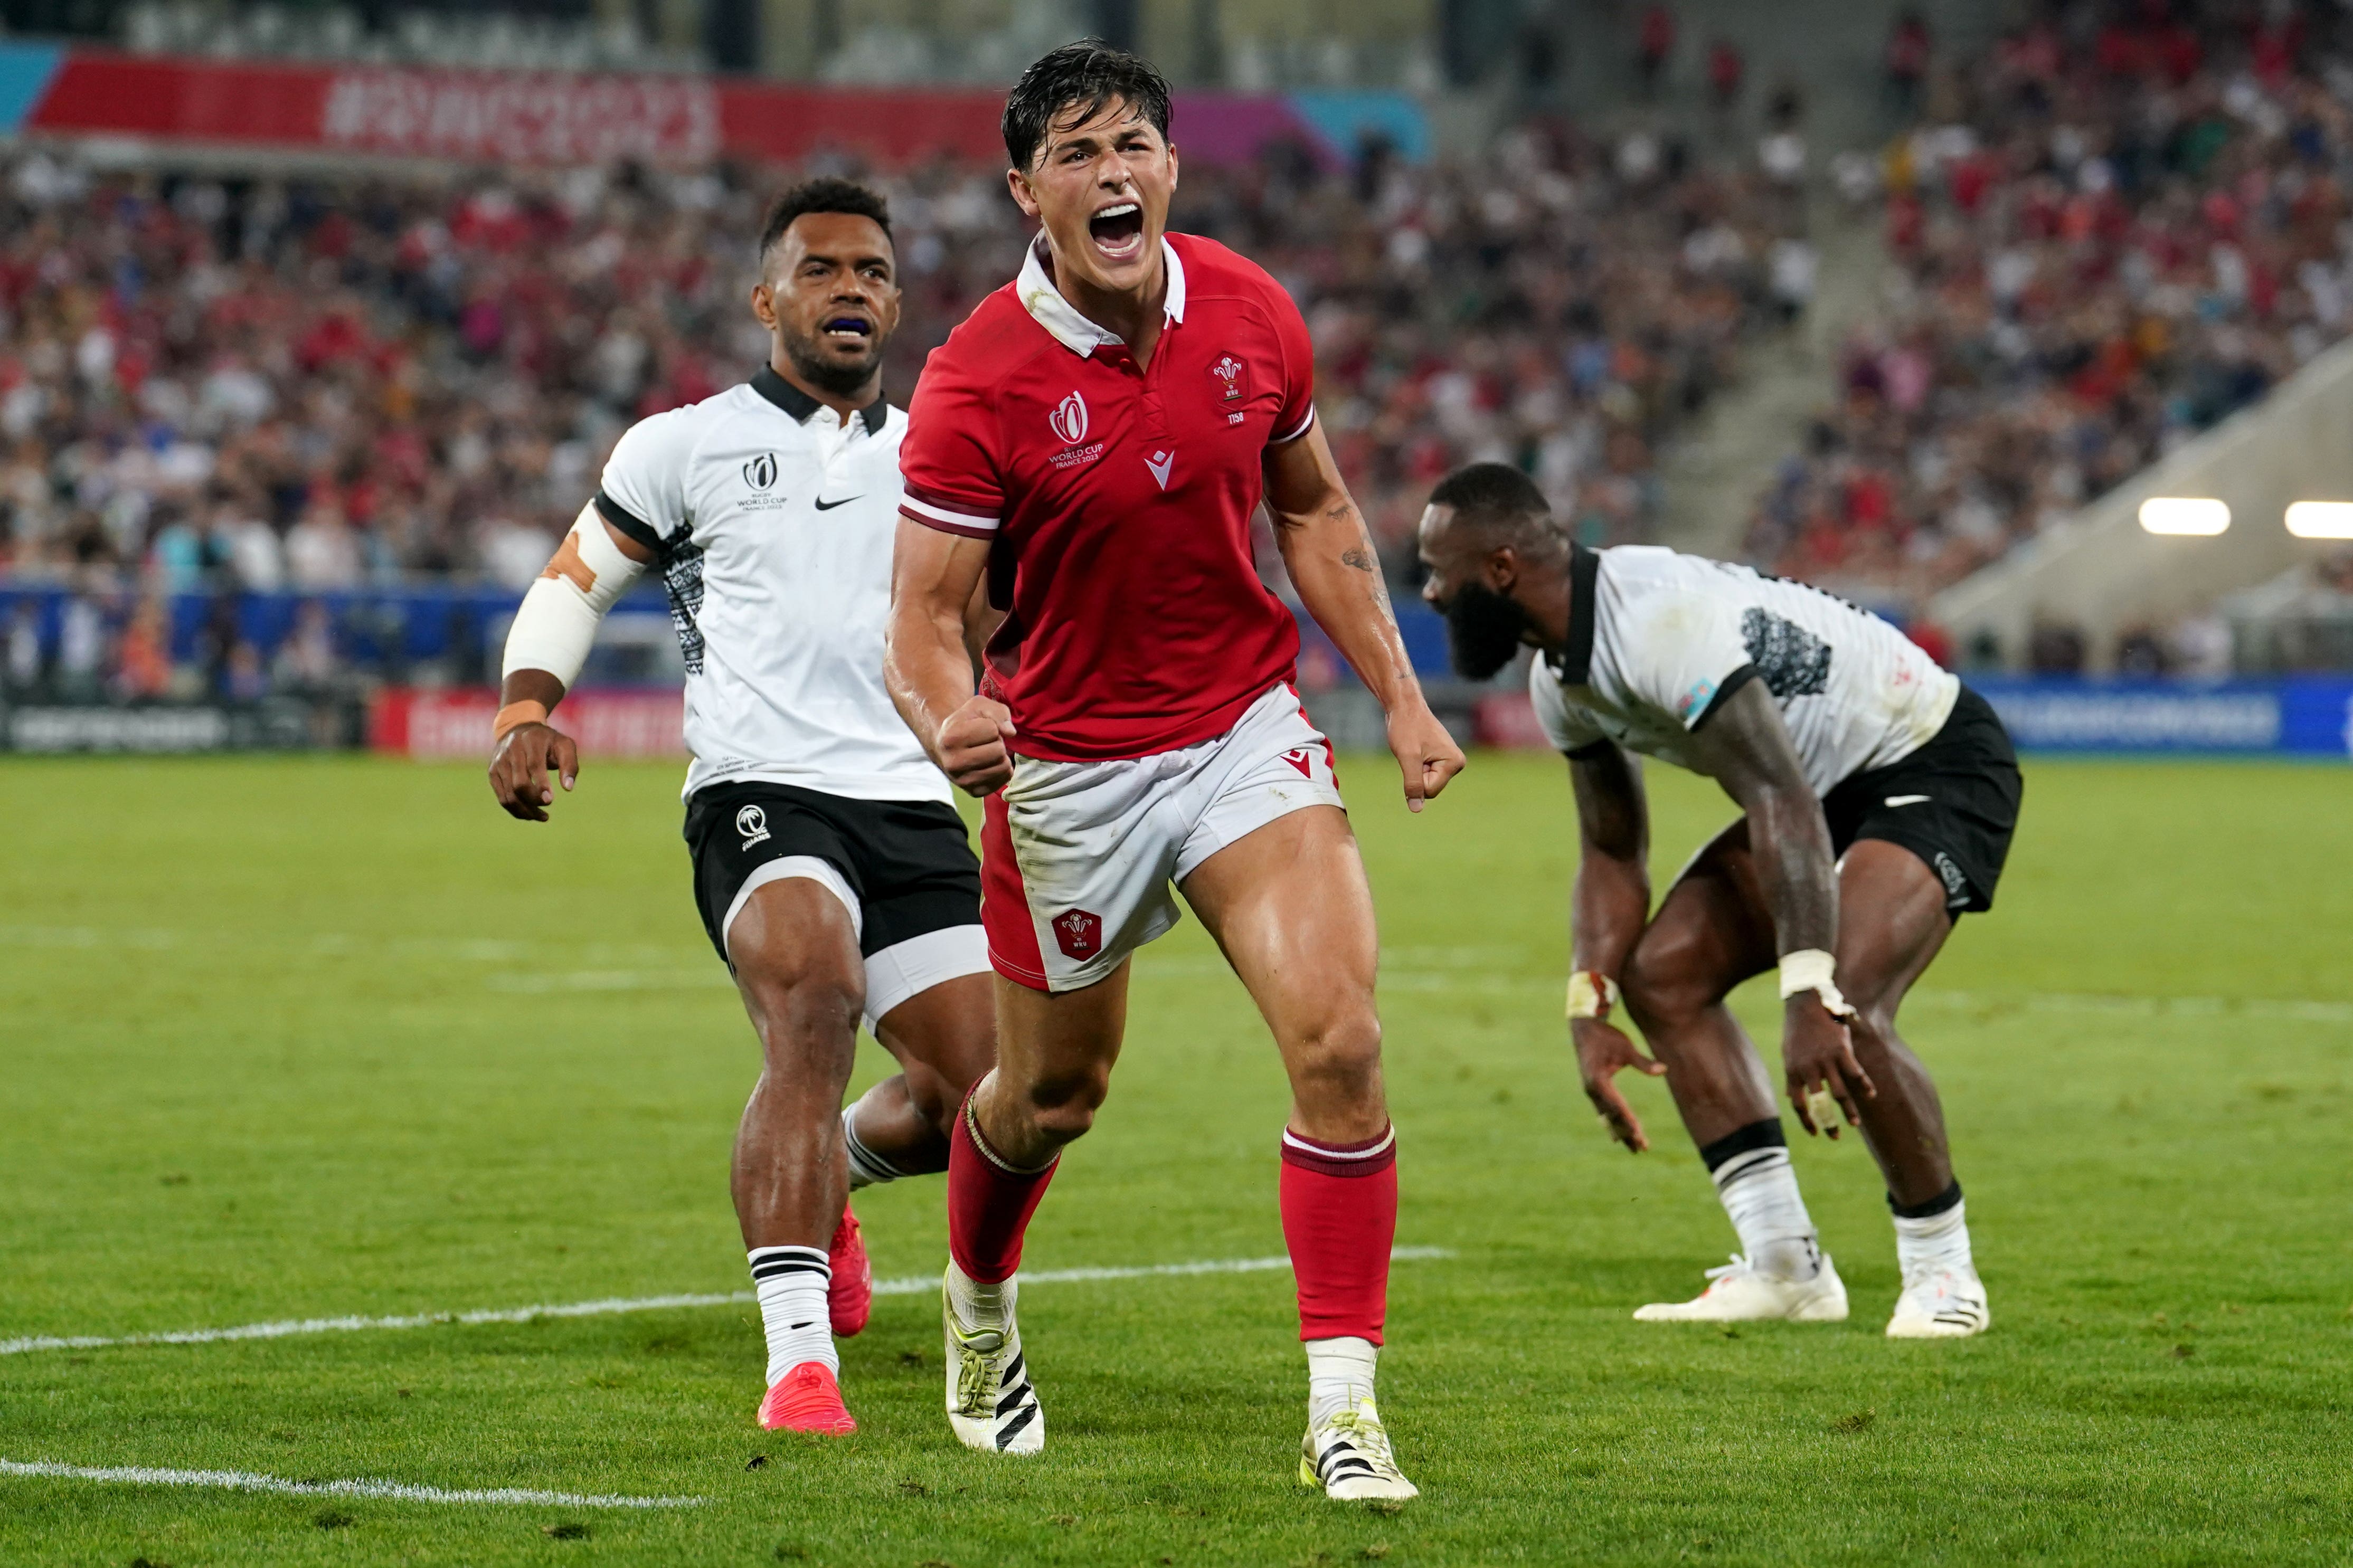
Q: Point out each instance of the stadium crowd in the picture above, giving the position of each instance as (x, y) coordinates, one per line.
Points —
(2117, 228)
(315, 383)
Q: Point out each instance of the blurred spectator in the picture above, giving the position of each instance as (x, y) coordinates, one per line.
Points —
(2200, 647)
(143, 659)
(514, 555)
(2140, 654)
(1907, 61)
(1656, 45)
(81, 650)
(308, 662)
(245, 679)
(319, 550)
(1726, 67)
(2053, 648)
(1931, 639)
(24, 666)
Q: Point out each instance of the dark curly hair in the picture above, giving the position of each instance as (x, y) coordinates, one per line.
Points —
(825, 195)
(1088, 73)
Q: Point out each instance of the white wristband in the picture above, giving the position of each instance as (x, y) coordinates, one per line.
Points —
(1591, 994)
(1811, 969)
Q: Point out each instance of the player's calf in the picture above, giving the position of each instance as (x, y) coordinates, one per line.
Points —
(1339, 1220)
(992, 1402)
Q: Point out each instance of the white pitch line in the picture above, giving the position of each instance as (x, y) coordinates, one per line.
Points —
(913, 1286)
(401, 1491)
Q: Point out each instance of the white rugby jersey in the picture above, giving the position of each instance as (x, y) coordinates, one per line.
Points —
(771, 523)
(1657, 639)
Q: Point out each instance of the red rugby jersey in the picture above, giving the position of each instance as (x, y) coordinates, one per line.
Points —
(1118, 500)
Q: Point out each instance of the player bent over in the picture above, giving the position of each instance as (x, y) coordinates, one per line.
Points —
(832, 871)
(1840, 739)
(1096, 438)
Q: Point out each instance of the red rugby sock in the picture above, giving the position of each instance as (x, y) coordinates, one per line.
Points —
(1339, 1218)
(989, 1203)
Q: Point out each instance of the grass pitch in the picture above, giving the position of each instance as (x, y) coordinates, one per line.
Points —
(294, 1038)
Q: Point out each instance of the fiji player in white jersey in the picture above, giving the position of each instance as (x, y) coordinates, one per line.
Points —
(834, 876)
(1879, 797)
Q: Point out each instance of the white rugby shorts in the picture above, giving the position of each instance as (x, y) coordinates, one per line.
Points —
(1077, 858)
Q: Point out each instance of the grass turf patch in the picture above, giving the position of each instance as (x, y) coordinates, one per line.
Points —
(297, 1037)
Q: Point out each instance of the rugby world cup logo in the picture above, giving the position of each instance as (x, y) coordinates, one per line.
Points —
(1069, 419)
(761, 471)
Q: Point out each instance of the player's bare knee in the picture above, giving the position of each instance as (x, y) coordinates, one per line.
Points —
(795, 997)
(1063, 1107)
(1340, 1063)
(1664, 986)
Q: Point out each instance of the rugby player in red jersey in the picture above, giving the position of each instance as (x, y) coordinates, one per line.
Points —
(1095, 440)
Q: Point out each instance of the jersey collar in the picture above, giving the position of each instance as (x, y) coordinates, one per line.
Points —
(1573, 664)
(1062, 318)
(800, 405)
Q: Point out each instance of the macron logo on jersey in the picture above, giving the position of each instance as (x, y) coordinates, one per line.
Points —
(1160, 463)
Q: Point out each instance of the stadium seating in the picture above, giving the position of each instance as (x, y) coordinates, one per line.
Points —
(2103, 244)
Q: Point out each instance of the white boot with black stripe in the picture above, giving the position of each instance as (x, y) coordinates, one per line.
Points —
(992, 1403)
(1347, 1454)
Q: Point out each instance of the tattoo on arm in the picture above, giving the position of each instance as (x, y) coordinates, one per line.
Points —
(1360, 558)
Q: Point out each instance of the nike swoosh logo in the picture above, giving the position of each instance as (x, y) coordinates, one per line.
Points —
(824, 505)
(1904, 800)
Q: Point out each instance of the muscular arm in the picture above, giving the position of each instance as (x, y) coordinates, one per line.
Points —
(1608, 907)
(927, 662)
(1745, 747)
(1333, 564)
(1611, 899)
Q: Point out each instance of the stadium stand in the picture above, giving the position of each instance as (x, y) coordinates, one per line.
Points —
(311, 385)
(2107, 237)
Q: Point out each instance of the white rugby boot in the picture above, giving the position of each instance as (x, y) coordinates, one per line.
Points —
(1347, 1454)
(1738, 1293)
(992, 1405)
(1941, 1303)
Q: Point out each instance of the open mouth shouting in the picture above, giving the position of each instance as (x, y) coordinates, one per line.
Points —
(1118, 231)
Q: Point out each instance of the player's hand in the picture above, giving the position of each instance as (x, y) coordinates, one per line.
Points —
(1425, 752)
(972, 746)
(1603, 1051)
(519, 769)
(1817, 1058)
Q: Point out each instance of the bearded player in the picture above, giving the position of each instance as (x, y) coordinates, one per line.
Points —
(1878, 799)
(833, 874)
(1093, 441)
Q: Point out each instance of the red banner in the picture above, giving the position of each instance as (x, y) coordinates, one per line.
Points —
(553, 117)
(451, 726)
(506, 116)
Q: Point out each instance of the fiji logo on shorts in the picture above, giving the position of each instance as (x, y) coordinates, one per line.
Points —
(1079, 933)
(1956, 881)
(753, 824)
(1069, 419)
(761, 471)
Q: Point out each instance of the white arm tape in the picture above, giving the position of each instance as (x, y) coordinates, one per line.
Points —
(1811, 969)
(557, 622)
